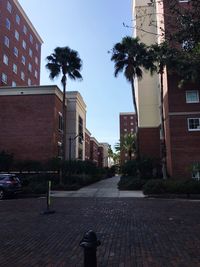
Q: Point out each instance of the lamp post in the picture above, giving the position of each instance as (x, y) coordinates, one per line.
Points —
(72, 139)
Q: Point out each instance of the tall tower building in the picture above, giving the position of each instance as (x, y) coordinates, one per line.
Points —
(20, 47)
(181, 107)
(127, 124)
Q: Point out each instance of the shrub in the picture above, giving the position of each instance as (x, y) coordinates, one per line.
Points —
(130, 183)
(171, 187)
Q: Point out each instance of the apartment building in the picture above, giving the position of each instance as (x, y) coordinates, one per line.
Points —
(181, 106)
(94, 149)
(87, 144)
(31, 122)
(127, 124)
(20, 47)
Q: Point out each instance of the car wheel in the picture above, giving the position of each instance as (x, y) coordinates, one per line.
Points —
(1, 193)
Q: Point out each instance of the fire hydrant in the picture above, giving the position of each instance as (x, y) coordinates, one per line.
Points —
(90, 243)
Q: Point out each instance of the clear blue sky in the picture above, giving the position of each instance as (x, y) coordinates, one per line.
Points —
(91, 27)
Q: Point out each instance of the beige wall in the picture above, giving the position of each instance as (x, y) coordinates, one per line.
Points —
(75, 108)
(147, 89)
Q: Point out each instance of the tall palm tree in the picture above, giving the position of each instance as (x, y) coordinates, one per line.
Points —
(130, 56)
(66, 62)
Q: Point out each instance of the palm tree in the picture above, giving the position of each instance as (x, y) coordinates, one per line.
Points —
(131, 57)
(66, 62)
(127, 144)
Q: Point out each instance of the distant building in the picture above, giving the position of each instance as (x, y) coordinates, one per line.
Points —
(94, 145)
(104, 148)
(20, 47)
(127, 123)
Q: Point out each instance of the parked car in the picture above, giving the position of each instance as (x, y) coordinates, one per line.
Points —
(9, 184)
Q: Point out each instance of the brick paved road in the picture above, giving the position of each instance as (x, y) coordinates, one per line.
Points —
(133, 232)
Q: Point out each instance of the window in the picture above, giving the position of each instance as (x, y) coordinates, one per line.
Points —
(8, 24)
(29, 67)
(60, 150)
(194, 124)
(60, 121)
(9, 7)
(23, 60)
(125, 130)
(4, 78)
(131, 129)
(22, 75)
(24, 44)
(36, 74)
(125, 118)
(6, 41)
(5, 59)
(24, 29)
(182, 1)
(30, 52)
(17, 19)
(36, 60)
(14, 84)
(37, 46)
(126, 154)
(80, 130)
(15, 68)
(16, 35)
(131, 117)
(196, 175)
(16, 51)
(31, 38)
(192, 96)
(29, 82)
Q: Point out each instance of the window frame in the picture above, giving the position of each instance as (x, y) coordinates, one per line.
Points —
(9, 7)
(193, 130)
(6, 41)
(14, 68)
(17, 19)
(16, 51)
(5, 76)
(8, 24)
(5, 59)
(16, 35)
(191, 91)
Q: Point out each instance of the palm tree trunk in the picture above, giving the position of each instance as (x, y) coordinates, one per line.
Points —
(136, 116)
(163, 143)
(64, 128)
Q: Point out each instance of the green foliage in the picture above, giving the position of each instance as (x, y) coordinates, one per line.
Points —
(142, 168)
(171, 187)
(131, 183)
(127, 144)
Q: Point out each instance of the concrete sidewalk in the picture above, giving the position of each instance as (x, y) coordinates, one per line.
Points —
(104, 188)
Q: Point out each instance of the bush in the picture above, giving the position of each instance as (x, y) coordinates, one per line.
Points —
(171, 187)
(130, 183)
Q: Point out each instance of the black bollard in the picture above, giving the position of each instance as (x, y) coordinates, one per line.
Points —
(90, 243)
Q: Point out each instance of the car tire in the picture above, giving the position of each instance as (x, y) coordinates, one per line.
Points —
(2, 194)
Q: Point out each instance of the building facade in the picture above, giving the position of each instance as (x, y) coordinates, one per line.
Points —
(94, 149)
(127, 123)
(181, 106)
(75, 125)
(20, 47)
(30, 122)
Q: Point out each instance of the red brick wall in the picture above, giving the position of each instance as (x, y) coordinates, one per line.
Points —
(8, 70)
(29, 126)
(185, 146)
(149, 142)
(93, 152)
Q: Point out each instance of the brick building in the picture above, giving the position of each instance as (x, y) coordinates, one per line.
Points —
(181, 106)
(30, 122)
(20, 47)
(127, 124)
(87, 144)
(94, 146)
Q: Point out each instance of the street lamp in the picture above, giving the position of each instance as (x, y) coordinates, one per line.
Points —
(72, 139)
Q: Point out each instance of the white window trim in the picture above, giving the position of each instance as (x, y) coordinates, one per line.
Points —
(5, 59)
(4, 76)
(193, 130)
(189, 102)
(14, 68)
(9, 7)
(16, 35)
